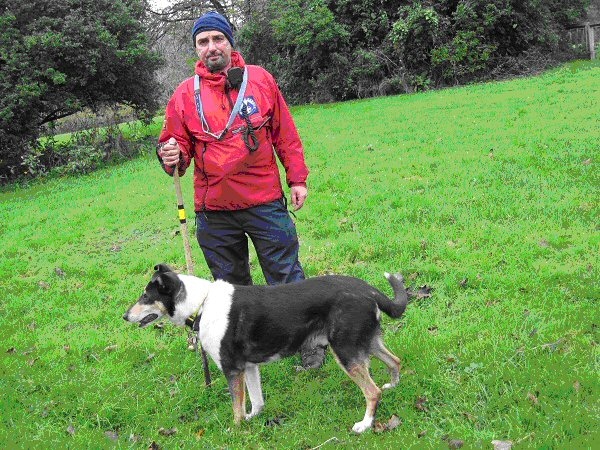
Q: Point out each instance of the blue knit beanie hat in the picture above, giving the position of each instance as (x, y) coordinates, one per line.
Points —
(213, 21)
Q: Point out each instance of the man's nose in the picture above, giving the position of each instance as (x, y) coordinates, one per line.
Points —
(211, 45)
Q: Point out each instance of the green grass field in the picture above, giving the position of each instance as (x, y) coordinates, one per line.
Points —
(487, 193)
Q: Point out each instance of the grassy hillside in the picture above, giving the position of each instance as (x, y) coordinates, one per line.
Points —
(487, 193)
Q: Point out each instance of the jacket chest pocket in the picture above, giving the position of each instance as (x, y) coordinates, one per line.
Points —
(231, 156)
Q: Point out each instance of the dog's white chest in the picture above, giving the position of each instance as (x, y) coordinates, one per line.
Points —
(215, 319)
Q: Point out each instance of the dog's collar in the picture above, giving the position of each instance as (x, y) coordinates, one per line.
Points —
(193, 322)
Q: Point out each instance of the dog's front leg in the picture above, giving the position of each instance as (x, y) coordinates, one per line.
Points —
(238, 395)
(254, 390)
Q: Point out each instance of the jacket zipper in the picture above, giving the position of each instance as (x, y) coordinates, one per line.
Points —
(229, 100)
(205, 179)
(203, 209)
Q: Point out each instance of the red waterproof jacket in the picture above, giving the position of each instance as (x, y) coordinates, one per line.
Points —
(227, 176)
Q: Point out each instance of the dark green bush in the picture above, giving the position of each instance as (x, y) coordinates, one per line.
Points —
(84, 152)
(323, 50)
(60, 57)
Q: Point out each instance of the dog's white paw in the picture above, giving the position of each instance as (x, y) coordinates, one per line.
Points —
(253, 413)
(389, 385)
(362, 426)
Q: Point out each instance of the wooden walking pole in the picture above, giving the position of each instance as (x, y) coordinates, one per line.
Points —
(190, 266)
(183, 223)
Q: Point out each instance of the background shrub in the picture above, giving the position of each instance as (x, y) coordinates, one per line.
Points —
(332, 50)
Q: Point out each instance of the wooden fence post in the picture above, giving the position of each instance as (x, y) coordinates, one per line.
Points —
(589, 36)
(593, 43)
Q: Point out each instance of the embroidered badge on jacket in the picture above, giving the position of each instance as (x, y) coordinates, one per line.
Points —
(249, 105)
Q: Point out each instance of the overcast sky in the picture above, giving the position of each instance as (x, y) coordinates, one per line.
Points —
(160, 4)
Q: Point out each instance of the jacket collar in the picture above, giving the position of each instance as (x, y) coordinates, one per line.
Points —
(218, 78)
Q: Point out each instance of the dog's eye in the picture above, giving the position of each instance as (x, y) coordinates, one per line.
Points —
(145, 299)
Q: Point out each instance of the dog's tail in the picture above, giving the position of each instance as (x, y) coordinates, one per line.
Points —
(394, 308)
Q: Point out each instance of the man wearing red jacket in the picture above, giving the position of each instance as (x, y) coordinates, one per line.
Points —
(231, 119)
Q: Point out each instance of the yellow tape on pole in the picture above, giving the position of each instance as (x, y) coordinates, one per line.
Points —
(182, 221)
(181, 210)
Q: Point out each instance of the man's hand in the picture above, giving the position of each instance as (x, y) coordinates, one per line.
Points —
(298, 194)
(169, 153)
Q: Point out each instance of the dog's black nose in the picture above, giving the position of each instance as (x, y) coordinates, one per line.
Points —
(125, 316)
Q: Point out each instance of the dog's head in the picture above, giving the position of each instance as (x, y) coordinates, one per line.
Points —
(158, 299)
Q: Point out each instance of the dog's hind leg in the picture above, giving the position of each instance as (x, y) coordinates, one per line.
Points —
(254, 390)
(359, 372)
(238, 395)
(390, 360)
(360, 375)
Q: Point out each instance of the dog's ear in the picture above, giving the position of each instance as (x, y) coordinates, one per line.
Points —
(162, 268)
(167, 283)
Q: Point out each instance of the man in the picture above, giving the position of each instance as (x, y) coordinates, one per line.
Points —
(230, 118)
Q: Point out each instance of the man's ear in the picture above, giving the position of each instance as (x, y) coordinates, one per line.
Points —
(162, 268)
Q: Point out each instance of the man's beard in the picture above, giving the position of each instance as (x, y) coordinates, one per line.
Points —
(216, 65)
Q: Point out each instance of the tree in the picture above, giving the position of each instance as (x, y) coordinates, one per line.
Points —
(301, 43)
(58, 57)
(168, 21)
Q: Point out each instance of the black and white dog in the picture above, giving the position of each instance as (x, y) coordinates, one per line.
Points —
(243, 326)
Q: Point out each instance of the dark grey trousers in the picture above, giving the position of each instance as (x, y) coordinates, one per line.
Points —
(223, 238)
